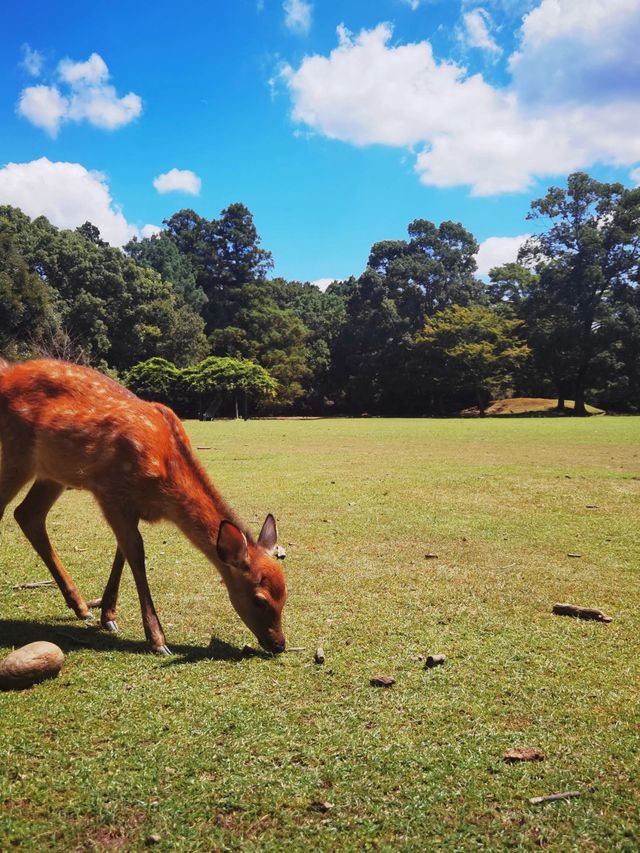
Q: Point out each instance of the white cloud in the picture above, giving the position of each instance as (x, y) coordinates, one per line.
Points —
(67, 194)
(323, 283)
(93, 72)
(150, 230)
(462, 129)
(587, 48)
(495, 251)
(87, 97)
(297, 16)
(412, 4)
(477, 31)
(178, 180)
(32, 61)
(43, 106)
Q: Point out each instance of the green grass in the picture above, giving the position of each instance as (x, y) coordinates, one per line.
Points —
(213, 751)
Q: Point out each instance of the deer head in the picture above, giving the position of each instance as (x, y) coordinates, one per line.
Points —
(254, 580)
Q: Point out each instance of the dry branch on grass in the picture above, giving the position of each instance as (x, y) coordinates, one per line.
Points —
(581, 612)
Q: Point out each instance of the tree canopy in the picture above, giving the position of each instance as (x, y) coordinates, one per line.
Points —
(191, 312)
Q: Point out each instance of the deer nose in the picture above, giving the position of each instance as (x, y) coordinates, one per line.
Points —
(275, 646)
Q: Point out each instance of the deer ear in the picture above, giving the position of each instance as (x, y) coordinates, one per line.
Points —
(232, 544)
(268, 535)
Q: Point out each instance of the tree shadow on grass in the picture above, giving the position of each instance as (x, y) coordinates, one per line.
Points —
(71, 637)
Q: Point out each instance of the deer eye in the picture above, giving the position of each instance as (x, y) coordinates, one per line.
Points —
(260, 601)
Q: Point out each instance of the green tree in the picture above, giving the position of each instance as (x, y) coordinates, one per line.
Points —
(473, 349)
(587, 268)
(161, 254)
(323, 316)
(237, 379)
(367, 349)
(435, 268)
(115, 311)
(154, 379)
(25, 308)
(225, 255)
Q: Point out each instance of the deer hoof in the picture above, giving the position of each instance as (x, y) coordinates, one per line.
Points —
(88, 618)
(111, 625)
(165, 651)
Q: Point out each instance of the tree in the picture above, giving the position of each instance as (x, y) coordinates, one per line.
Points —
(365, 354)
(25, 306)
(154, 379)
(115, 311)
(232, 378)
(434, 269)
(323, 316)
(472, 349)
(161, 254)
(587, 267)
(225, 255)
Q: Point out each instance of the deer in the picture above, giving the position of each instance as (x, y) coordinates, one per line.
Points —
(62, 426)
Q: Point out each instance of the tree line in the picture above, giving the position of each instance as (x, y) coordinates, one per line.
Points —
(190, 315)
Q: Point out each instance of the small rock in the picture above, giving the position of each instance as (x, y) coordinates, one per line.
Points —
(279, 552)
(431, 556)
(523, 753)
(154, 838)
(321, 806)
(319, 655)
(434, 660)
(382, 681)
(30, 664)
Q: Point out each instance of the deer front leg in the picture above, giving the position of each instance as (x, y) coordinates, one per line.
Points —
(131, 546)
(31, 515)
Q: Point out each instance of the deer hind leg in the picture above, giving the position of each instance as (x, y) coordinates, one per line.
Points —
(15, 471)
(31, 515)
(109, 599)
(131, 546)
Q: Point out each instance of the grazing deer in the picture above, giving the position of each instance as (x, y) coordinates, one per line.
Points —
(66, 425)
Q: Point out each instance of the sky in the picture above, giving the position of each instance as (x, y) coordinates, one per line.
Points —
(336, 123)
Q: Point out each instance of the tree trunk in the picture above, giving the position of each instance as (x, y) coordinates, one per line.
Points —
(482, 402)
(560, 407)
(237, 411)
(579, 407)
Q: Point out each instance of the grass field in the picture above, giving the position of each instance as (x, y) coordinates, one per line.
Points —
(213, 751)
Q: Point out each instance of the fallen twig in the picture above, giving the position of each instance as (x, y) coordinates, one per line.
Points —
(34, 585)
(551, 798)
(296, 649)
(581, 612)
(523, 753)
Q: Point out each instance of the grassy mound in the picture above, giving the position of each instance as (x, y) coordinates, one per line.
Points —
(526, 406)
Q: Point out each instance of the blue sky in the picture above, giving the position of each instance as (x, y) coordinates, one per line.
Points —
(336, 123)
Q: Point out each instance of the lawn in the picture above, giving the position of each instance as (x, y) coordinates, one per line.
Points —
(210, 750)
